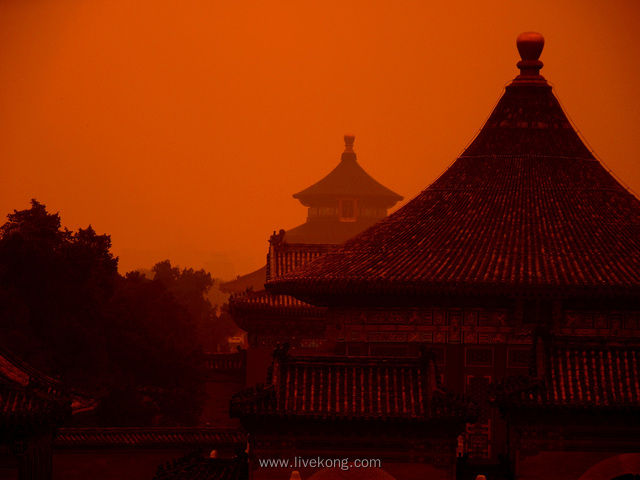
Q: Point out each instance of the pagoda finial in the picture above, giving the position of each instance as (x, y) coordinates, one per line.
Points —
(348, 153)
(530, 45)
(348, 142)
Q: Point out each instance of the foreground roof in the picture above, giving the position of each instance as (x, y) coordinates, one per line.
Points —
(580, 377)
(263, 302)
(355, 388)
(29, 397)
(525, 208)
(145, 437)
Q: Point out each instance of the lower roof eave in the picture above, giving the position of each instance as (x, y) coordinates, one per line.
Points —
(324, 292)
(365, 419)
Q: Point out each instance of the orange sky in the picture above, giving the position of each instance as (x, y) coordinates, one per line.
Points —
(182, 128)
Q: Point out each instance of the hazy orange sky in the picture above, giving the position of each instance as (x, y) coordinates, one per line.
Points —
(182, 128)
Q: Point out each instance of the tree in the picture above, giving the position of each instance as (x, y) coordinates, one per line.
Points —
(154, 356)
(191, 288)
(66, 310)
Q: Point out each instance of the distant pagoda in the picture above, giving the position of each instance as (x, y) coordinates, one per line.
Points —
(342, 204)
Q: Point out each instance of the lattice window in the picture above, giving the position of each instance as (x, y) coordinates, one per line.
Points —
(348, 210)
(479, 357)
(519, 357)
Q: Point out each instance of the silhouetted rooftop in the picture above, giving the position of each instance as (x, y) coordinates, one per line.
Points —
(144, 437)
(357, 388)
(580, 377)
(28, 396)
(264, 302)
(348, 179)
(254, 281)
(525, 209)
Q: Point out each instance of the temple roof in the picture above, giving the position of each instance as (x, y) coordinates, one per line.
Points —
(267, 303)
(250, 281)
(348, 179)
(323, 233)
(21, 407)
(28, 396)
(356, 388)
(580, 377)
(159, 437)
(525, 209)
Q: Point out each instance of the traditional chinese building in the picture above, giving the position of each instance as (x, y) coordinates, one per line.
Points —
(345, 202)
(526, 240)
(577, 415)
(351, 409)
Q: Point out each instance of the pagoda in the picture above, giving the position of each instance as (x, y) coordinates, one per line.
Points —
(342, 204)
(519, 269)
(345, 202)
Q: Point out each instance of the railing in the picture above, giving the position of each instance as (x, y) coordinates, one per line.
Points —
(226, 362)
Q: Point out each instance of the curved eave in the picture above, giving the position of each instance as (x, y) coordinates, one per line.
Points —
(289, 312)
(377, 200)
(318, 291)
(349, 180)
(383, 418)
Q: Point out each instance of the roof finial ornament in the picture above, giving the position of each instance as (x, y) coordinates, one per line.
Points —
(530, 45)
(348, 142)
(348, 153)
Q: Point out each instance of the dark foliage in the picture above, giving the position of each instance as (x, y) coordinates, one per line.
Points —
(129, 341)
(191, 289)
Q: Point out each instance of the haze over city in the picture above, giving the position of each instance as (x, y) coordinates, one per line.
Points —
(182, 129)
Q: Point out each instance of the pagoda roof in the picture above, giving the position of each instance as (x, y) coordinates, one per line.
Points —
(264, 302)
(325, 232)
(580, 377)
(353, 388)
(348, 180)
(526, 209)
(22, 407)
(250, 281)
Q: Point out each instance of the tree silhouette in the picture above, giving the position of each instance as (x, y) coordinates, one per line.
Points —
(65, 309)
(191, 288)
